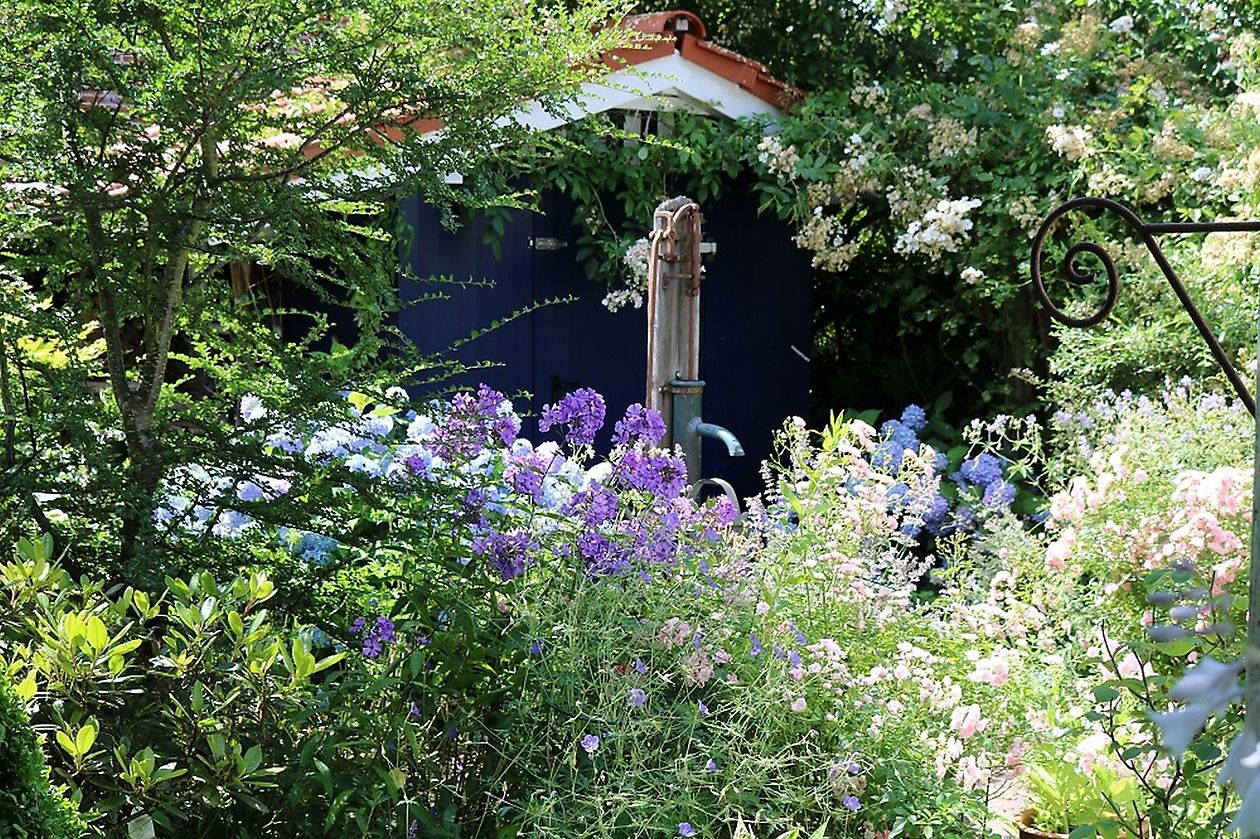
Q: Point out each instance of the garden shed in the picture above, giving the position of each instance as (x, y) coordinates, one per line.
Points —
(755, 303)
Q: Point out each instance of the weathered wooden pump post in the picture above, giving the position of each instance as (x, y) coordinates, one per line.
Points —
(674, 387)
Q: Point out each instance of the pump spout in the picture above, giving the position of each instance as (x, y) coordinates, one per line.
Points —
(717, 432)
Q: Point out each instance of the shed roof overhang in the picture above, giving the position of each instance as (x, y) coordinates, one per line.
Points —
(673, 67)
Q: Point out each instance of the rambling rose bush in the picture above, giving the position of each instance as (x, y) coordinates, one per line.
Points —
(1147, 552)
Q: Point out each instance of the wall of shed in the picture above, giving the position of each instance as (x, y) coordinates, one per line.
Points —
(755, 309)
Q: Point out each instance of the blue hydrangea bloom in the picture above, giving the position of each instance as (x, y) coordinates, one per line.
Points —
(979, 471)
(914, 418)
(999, 495)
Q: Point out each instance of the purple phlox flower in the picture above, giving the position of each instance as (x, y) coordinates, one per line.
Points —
(794, 658)
(424, 640)
(472, 421)
(580, 412)
(640, 667)
(474, 501)
(756, 645)
(415, 710)
(374, 640)
(685, 829)
(602, 555)
(851, 802)
(800, 636)
(702, 708)
(525, 472)
(711, 766)
(778, 652)
(853, 768)
(599, 505)
(508, 552)
(413, 829)
(641, 425)
(536, 648)
(659, 473)
(637, 697)
(590, 743)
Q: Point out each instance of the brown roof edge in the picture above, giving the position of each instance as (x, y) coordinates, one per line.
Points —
(684, 32)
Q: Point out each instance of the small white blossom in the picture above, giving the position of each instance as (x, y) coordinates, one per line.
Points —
(252, 408)
(1121, 25)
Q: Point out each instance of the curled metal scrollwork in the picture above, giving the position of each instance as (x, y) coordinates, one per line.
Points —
(1077, 274)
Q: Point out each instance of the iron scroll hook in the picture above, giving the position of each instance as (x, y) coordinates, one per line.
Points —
(1146, 232)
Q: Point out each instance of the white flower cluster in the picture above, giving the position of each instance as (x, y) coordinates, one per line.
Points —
(1026, 212)
(872, 96)
(1167, 146)
(1109, 182)
(777, 159)
(950, 138)
(941, 230)
(636, 260)
(1023, 41)
(971, 275)
(824, 235)
(911, 196)
(1070, 141)
(888, 15)
(1122, 25)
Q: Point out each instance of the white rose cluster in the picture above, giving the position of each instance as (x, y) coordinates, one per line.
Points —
(1070, 141)
(943, 228)
(777, 158)
(635, 260)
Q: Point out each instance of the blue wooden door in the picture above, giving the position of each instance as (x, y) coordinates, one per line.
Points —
(755, 310)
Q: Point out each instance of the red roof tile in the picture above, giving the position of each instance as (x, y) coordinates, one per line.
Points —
(681, 31)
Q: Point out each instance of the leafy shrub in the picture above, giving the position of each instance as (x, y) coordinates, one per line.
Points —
(29, 806)
(1145, 559)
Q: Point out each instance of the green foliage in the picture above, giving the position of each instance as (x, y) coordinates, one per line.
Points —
(29, 807)
(1016, 107)
(1065, 797)
(195, 181)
